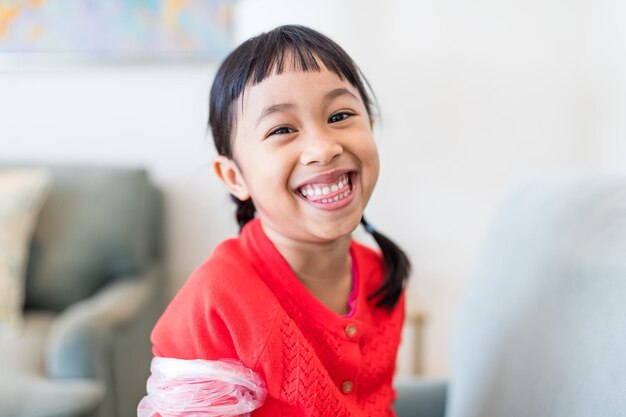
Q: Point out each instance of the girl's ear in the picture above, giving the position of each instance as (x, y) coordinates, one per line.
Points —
(228, 171)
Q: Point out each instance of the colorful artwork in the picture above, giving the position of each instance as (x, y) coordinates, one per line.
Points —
(134, 29)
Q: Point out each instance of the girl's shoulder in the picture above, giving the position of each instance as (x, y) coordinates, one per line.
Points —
(370, 263)
(367, 253)
(223, 310)
(226, 267)
(228, 273)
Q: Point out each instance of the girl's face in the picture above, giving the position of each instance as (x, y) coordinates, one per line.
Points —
(304, 152)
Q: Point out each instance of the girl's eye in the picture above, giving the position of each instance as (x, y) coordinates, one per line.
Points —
(339, 117)
(281, 131)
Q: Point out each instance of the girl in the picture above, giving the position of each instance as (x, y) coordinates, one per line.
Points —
(312, 318)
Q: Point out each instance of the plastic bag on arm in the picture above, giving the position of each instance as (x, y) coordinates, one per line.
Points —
(201, 388)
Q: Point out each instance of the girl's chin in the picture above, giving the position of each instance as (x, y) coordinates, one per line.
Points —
(333, 230)
(316, 230)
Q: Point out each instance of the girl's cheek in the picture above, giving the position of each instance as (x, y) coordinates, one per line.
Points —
(373, 155)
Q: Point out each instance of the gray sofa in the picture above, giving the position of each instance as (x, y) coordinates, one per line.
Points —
(93, 292)
(542, 329)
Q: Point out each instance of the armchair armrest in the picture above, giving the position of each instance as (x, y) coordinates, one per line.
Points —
(81, 337)
(419, 397)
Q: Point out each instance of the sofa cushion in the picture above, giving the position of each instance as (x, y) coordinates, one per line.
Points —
(93, 228)
(541, 329)
(22, 192)
(25, 390)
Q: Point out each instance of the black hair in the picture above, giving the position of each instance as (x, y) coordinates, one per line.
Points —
(264, 55)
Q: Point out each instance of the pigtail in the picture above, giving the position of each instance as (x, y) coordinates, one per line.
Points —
(245, 211)
(397, 265)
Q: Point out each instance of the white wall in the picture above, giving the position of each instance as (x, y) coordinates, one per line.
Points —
(472, 94)
(126, 116)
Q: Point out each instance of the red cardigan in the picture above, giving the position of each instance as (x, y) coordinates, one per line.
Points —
(245, 302)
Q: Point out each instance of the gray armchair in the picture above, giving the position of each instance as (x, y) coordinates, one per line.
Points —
(542, 330)
(94, 290)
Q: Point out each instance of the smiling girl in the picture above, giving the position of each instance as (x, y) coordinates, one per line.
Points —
(292, 305)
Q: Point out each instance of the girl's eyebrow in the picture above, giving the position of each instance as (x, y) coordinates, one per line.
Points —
(274, 108)
(337, 92)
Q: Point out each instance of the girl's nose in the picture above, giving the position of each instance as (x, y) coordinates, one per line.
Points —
(320, 148)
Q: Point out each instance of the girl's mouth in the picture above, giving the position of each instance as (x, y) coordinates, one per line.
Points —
(331, 195)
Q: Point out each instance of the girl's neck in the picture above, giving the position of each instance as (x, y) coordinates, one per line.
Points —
(320, 266)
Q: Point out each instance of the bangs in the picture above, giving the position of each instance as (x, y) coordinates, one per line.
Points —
(290, 48)
(296, 57)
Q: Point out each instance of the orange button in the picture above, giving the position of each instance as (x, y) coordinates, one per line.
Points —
(351, 330)
(347, 387)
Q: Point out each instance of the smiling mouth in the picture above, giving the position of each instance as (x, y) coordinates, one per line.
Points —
(327, 193)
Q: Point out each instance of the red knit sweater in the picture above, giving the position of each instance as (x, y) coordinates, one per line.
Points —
(245, 302)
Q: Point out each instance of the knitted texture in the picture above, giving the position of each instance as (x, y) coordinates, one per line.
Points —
(246, 303)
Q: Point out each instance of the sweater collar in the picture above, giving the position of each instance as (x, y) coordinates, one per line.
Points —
(278, 275)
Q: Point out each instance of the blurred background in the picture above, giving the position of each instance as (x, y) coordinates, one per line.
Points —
(472, 95)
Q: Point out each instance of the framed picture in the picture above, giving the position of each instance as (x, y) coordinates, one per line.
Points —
(117, 30)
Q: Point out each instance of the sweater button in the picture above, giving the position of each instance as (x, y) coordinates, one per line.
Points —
(351, 330)
(347, 386)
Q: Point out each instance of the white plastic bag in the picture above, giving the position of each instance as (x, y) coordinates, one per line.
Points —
(201, 388)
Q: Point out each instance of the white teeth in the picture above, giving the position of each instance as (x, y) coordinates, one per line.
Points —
(311, 191)
(316, 191)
